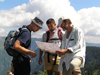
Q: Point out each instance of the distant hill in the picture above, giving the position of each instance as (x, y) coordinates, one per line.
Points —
(1, 42)
(33, 44)
(93, 44)
(92, 59)
(35, 66)
(39, 39)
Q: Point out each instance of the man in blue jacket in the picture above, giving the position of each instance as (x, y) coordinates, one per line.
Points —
(23, 45)
(72, 49)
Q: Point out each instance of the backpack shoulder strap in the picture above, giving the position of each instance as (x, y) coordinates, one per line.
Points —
(48, 35)
(21, 30)
(60, 34)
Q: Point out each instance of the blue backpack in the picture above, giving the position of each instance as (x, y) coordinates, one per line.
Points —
(10, 40)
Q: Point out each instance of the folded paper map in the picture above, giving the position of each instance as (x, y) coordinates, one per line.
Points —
(50, 47)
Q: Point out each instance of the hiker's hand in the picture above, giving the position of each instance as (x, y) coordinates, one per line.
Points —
(40, 61)
(32, 54)
(61, 52)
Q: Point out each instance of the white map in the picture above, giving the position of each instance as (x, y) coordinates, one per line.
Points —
(50, 47)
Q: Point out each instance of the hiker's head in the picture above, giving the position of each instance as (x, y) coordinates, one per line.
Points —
(36, 24)
(64, 23)
(67, 21)
(51, 24)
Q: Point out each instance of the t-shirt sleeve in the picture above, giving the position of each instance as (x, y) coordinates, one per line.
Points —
(44, 37)
(24, 37)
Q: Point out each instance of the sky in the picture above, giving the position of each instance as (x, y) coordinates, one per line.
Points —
(83, 13)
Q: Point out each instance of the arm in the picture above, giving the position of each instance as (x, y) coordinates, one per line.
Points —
(17, 46)
(63, 51)
(40, 56)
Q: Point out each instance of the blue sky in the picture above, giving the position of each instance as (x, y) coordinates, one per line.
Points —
(77, 4)
(80, 4)
(83, 13)
(8, 4)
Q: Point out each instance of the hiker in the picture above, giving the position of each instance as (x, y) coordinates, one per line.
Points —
(72, 49)
(21, 63)
(51, 60)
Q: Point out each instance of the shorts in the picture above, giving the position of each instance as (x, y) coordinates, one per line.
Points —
(74, 66)
(50, 65)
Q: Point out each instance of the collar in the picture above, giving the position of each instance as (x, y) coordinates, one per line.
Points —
(53, 31)
(28, 29)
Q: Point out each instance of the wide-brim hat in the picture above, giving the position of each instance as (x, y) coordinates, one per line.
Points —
(60, 20)
(38, 21)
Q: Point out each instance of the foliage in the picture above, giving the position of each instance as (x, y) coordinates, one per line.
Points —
(92, 66)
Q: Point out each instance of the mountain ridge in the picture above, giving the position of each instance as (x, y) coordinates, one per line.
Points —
(92, 57)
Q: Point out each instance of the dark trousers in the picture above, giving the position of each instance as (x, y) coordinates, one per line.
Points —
(21, 67)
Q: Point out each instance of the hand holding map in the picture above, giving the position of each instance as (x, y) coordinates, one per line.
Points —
(50, 47)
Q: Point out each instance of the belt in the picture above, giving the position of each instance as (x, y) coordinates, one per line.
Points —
(51, 53)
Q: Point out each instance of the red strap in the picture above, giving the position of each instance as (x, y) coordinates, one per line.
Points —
(48, 36)
(60, 34)
(59, 29)
(47, 30)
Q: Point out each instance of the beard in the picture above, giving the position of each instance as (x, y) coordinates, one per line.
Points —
(65, 27)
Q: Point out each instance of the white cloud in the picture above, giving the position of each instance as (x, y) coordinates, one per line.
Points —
(2, 32)
(16, 16)
(1, 0)
(38, 34)
(87, 19)
(92, 39)
(90, 21)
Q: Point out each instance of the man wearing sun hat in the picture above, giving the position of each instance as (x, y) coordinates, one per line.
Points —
(73, 48)
(23, 45)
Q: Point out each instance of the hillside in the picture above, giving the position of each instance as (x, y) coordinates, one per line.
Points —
(92, 65)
